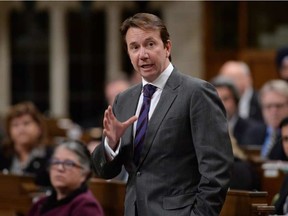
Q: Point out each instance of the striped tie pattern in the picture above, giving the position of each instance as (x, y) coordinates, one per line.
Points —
(142, 122)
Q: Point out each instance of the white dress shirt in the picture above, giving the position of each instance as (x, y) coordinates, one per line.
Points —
(244, 103)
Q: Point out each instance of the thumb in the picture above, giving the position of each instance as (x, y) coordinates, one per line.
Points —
(130, 121)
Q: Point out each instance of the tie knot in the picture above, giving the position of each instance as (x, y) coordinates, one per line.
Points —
(149, 90)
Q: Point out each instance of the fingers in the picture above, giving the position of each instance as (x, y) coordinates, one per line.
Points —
(104, 132)
(130, 121)
(106, 120)
(108, 117)
(110, 114)
(112, 127)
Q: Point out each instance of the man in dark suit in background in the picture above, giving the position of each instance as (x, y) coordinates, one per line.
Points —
(183, 166)
(274, 104)
(239, 72)
(239, 127)
(281, 204)
(282, 62)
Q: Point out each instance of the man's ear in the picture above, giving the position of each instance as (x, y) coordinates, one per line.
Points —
(168, 47)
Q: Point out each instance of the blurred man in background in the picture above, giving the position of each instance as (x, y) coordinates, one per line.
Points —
(240, 74)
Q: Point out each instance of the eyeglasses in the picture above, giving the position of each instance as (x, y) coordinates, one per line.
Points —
(275, 105)
(65, 164)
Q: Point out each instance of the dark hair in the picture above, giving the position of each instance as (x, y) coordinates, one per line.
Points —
(284, 122)
(21, 109)
(280, 55)
(80, 149)
(145, 21)
(221, 81)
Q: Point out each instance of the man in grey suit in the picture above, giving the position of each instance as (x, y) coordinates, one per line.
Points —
(184, 164)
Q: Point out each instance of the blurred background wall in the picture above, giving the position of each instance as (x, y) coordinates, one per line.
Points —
(60, 54)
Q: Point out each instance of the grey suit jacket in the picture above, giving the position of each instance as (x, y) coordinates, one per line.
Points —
(185, 164)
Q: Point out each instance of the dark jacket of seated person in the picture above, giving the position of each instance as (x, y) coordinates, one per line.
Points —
(70, 169)
(37, 165)
(243, 175)
(279, 205)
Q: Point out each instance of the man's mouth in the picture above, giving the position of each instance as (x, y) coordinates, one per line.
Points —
(146, 66)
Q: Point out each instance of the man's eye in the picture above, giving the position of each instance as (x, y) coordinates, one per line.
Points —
(134, 47)
(151, 44)
(27, 123)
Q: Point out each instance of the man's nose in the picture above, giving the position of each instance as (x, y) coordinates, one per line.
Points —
(143, 53)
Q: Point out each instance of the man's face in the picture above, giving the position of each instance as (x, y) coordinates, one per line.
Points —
(274, 108)
(284, 69)
(236, 73)
(228, 100)
(114, 88)
(147, 52)
(284, 134)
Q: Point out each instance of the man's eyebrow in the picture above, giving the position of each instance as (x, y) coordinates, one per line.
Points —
(149, 39)
(132, 44)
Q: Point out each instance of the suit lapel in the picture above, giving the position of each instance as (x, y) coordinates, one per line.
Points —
(167, 98)
(130, 106)
(130, 109)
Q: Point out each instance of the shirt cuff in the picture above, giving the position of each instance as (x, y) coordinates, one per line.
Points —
(111, 154)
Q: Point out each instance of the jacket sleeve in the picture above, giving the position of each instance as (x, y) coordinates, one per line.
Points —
(213, 149)
(102, 166)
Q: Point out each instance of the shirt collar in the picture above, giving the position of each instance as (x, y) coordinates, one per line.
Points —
(247, 94)
(162, 79)
(232, 121)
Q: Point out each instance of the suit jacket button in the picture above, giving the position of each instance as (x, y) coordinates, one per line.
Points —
(138, 173)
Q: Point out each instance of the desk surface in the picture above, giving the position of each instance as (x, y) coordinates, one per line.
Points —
(16, 193)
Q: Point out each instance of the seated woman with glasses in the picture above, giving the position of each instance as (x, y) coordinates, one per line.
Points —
(70, 168)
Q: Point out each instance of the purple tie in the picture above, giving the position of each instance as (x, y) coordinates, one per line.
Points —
(142, 122)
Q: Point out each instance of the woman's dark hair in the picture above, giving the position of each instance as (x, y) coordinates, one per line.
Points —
(21, 109)
(284, 122)
(280, 55)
